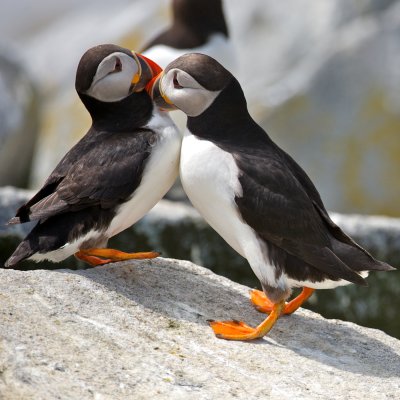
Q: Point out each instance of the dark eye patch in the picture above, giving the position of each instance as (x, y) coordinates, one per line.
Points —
(176, 83)
(118, 65)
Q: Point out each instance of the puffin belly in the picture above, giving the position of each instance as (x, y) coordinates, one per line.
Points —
(324, 284)
(93, 238)
(209, 177)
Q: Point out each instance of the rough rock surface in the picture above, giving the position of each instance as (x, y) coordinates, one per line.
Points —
(18, 119)
(138, 330)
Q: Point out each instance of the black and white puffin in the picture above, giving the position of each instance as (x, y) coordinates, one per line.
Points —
(117, 172)
(255, 195)
(197, 26)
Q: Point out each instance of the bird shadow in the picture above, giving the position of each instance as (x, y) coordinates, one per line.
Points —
(183, 293)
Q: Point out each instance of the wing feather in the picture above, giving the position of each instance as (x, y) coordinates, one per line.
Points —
(102, 169)
(277, 205)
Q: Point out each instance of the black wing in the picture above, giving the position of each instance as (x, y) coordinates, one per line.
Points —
(279, 203)
(102, 169)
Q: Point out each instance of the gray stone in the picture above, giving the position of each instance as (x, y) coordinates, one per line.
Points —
(19, 119)
(10, 200)
(137, 330)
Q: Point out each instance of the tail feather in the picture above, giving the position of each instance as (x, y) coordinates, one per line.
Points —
(382, 266)
(22, 252)
(358, 259)
(350, 252)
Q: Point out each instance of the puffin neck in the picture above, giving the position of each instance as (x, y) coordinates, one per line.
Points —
(225, 117)
(127, 114)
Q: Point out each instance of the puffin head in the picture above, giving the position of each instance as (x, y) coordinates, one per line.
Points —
(191, 83)
(109, 73)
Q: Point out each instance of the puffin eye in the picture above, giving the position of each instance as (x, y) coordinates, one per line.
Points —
(176, 83)
(118, 65)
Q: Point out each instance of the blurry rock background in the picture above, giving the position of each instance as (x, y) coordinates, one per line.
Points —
(321, 76)
(18, 119)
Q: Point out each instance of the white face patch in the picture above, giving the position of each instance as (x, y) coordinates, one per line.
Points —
(113, 78)
(186, 93)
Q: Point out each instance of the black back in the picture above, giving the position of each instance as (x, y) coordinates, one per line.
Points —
(193, 23)
(104, 167)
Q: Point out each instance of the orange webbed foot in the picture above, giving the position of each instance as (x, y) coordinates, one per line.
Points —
(96, 257)
(237, 330)
(223, 328)
(260, 301)
(263, 304)
(92, 260)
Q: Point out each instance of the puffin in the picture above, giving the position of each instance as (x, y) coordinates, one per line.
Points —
(255, 195)
(114, 175)
(197, 26)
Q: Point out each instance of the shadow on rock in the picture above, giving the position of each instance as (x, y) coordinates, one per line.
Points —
(178, 290)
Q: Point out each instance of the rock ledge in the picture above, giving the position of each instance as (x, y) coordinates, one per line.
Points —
(138, 330)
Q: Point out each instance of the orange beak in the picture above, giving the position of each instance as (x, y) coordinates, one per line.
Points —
(148, 69)
(154, 89)
(155, 68)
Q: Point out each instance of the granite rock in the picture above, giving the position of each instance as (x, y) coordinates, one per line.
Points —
(138, 330)
(19, 116)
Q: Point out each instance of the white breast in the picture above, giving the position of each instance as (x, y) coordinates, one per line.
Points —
(209, 177)
(158, 176)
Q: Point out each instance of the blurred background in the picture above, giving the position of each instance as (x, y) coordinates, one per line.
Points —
(322, 77)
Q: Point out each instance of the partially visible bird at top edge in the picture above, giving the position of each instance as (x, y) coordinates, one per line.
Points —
(198, 26)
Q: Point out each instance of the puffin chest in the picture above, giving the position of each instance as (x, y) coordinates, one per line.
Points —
(208, 172)
(210, 178)
(159, 174)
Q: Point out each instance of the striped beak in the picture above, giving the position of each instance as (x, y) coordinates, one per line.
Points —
(154, 89)
(147, 70)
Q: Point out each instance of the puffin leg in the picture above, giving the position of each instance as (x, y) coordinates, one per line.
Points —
(105, 256)
(263, 304)
(296, 303)
(236, 330)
